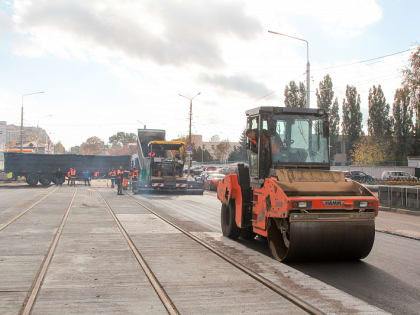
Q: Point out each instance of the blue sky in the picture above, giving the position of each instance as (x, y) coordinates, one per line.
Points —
(111, 66)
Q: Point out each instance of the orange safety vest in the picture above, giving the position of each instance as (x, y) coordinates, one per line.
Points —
(252, 140)
(72, 172)
(120, 174)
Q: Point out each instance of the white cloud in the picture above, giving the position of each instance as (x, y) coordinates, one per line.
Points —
(157, 49)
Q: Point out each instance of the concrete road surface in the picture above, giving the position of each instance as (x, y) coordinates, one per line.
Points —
(388, 278)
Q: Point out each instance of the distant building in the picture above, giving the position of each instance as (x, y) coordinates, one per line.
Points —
(35, 139)
(3, 135)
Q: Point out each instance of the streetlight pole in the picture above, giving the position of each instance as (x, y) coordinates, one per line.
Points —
(308, 85)
(189, 132)
(21, 119)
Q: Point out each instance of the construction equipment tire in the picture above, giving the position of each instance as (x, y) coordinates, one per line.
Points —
(45, 180)
(229, 227)
(247, 234)
(32, 179)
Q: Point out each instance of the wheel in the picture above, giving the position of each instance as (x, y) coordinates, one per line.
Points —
(229, 227)
(45, 180)
(32, 179)
(279, 239)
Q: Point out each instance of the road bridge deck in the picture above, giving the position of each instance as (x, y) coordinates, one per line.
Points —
(93, 270)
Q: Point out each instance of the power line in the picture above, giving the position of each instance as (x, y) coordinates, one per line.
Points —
(363, 61)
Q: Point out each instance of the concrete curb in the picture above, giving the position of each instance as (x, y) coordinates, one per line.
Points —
(402, 211)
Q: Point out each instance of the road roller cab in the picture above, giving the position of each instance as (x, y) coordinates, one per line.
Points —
(289, 194)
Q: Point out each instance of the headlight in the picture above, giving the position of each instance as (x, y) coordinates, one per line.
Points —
(363, 204)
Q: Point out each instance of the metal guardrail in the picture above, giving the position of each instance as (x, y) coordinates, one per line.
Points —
(399, 197)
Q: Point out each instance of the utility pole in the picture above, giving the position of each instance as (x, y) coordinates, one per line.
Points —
(189, 130)
(21, 119)
(308, 70)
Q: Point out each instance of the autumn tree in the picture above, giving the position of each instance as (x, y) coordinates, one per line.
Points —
(412, 83)
(402, 121)
(92, 145)
(295, 96)
(324, 97)
(59, 148)
(370, 151)
(352, 119)
(379, 122)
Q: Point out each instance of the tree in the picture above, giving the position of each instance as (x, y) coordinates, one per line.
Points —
(122, 139)
(92, 145)
(59, 148)
(402, 121)
(412, 83)
(325, 94)
(379, 122)
(75, 150)
(324, 97)
(352, 119)
(334, 119)
(239, 152)
(295, 96)
(222, 150)
(370, 151)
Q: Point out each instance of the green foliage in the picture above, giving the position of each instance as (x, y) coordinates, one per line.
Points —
(295, 96)
(379, 122)
(75, 149)
(352, 119)
(412, 83)
(199, 155)
(402, 121)
(325, 94)
(324, 97)
(122, 138)
(334, 118)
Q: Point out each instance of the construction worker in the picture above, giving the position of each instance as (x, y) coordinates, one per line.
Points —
(135, 174)
(119, 180)
(112, 174)
(68, 177)
(59, 177)
(86, 177)
(73, 176)
(126, 177)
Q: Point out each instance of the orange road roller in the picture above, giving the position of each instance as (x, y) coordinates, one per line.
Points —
(288, 194)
